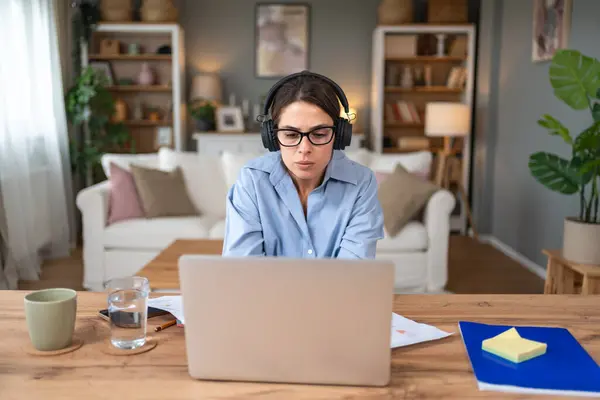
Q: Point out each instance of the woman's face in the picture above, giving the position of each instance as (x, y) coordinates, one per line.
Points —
(306, 161)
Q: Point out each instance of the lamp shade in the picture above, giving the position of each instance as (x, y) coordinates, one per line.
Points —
(207, 87)
(447, 119)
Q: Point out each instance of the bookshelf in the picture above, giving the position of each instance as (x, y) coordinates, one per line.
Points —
(155, 113)
(413, 65)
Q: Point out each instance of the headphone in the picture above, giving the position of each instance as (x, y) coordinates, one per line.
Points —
(343, 128)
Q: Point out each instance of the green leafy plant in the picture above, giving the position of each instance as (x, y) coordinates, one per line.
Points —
(89, 104)
(203, 110)
(575, 79)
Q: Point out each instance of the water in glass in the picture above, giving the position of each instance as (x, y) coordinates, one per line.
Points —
(127, 311)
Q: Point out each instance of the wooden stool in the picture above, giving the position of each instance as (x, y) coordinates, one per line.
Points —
(566, 277)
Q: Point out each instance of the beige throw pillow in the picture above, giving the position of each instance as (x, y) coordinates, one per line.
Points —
(402, 195)
(162, 193)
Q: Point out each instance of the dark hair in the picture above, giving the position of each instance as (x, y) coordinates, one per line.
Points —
(309, 89)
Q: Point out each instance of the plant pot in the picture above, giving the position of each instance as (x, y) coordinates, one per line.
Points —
(581, 242)
(204, 126)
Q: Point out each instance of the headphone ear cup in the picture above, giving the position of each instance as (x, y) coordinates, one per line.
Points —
(343, 134)
(266, 133)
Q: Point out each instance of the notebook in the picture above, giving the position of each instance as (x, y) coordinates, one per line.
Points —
(565, 369)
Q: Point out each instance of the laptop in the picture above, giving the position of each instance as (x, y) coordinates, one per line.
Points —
(285, 320)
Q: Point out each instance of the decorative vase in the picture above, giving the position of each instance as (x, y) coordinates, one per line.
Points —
(146, 76)
(120, 114)
(581, 242)
(395, 12)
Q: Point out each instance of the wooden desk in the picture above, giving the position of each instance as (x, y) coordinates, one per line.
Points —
(437, 369)
(566, 277)
(162, 271)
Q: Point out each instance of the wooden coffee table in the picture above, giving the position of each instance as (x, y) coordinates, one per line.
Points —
(162, 271)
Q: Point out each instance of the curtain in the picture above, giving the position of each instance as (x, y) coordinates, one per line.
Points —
(35, 181)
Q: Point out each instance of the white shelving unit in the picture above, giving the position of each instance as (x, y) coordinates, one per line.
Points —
(171, 91)
(380, 93)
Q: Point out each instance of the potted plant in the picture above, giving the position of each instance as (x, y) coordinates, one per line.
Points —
(203, 112)
(90, 105)
(575, 79)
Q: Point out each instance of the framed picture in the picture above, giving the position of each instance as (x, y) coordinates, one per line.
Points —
(551, 26)
(105, 68)
(229, 119)
(281, 39)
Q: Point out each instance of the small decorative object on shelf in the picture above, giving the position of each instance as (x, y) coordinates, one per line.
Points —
(109, 47)
(153, 115)
(138, 111)
(133, 49)
(146, 76)
(165, 49)
(407, 78)
(120, 114)
(441, 44)
(428, 75)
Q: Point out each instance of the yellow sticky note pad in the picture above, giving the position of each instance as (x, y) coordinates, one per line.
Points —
(511, 346)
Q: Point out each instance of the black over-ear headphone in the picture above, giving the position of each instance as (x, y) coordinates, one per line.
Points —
(343, 128)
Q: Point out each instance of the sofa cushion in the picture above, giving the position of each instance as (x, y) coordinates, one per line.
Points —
(402, 195)
(203, 176)
(124, 201)
(413, 237)
(156, 233)
(163, 193)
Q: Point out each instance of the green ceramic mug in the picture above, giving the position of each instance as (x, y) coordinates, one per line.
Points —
(50, 316)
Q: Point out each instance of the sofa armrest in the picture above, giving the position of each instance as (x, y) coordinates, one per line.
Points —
(437, 222)
(93, 204)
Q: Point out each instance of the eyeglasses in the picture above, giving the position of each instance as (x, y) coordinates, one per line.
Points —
(290, 137)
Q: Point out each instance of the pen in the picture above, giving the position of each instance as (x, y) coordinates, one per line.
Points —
(165, 325)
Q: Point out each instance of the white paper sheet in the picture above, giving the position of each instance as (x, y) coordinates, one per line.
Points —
(404, 331)
(171, 304)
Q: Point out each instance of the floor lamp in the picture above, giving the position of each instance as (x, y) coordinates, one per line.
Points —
(449, 121)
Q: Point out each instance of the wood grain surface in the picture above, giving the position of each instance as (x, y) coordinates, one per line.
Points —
(438, 369)
(162, 272)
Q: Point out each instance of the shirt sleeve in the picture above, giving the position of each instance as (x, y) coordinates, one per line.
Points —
(365, 227)
(243, 229)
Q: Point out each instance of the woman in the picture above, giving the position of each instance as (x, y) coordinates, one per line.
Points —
(307, 199)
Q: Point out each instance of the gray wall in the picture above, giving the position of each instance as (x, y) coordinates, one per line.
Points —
(524, 214)
(219, 35)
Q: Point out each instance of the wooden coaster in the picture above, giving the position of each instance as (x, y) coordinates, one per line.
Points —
(76, 343)
(108, 348)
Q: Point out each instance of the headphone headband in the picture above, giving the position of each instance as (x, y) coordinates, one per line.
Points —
(271, 95)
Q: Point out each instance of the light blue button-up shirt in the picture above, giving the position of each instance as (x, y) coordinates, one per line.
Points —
(344, 218)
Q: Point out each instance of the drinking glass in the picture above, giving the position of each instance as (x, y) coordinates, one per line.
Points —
(128, 311)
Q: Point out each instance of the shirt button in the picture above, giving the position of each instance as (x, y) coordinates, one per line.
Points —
(309, 251)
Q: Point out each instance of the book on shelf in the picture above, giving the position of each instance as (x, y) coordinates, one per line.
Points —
(402, 111)
(457, 78)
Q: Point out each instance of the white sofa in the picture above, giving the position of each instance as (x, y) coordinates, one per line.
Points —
(419, 251)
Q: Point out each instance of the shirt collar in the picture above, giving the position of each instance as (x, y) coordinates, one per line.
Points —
(339, 168)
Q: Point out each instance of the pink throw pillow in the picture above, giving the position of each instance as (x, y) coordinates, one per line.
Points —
(124, 201)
